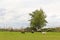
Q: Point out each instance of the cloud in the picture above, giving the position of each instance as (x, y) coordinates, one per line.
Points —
(16, 12)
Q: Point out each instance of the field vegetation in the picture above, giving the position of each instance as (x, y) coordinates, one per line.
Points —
(29, 36)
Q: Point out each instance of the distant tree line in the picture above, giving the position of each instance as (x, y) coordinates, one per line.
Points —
(57, 29)
(29, 29)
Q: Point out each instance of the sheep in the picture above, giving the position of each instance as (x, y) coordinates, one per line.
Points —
(43, 33)
(32, 31)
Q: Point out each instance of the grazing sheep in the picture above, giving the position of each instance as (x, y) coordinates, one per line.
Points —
(32, 31)
(43, 33)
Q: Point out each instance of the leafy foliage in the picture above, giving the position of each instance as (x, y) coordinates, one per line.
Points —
(38, 19)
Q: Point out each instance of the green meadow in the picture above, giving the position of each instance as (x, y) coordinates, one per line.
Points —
(29, 36)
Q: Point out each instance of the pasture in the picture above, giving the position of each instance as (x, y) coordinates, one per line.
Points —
(29, 36)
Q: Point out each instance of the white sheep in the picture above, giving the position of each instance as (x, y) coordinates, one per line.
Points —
(44, 33)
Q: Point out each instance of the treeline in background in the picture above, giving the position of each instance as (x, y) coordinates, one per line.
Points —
(29, 29)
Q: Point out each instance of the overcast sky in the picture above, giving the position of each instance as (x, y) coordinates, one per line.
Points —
(16, 12)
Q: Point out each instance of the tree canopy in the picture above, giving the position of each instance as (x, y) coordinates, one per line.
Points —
(38, 19)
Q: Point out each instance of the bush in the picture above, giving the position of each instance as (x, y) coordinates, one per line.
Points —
(22, 31)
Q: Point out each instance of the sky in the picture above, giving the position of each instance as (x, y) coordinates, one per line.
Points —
(15, 13)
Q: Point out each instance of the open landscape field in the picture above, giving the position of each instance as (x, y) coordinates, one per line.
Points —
(29, 36)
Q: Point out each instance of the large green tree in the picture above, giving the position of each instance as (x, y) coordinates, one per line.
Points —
(38, 19)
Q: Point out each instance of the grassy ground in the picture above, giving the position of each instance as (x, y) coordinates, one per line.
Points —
(29, 36)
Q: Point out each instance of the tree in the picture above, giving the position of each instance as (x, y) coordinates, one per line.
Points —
(38, 19)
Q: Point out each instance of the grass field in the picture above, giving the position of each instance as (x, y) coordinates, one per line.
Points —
(29, 36)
